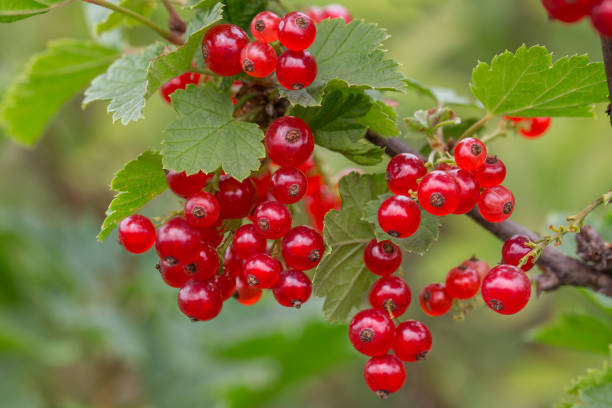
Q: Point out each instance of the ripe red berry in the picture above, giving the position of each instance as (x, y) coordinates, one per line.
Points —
(480, 266)
(225, 283)
(462, 282)
(469, 190)
(296, 31)
(399, 216)
(568, 11)
(315, 13)
(180, 82)
(470, 153)
(412, 341)
(538, 126)
(272, 220)
(236, 199)
(302, 248)
(264, 27)
(202, 210)
(177, 242)
(262, 180)
(289, 141)
(403, 171)
(439, 193)
(515, 249)
(292, 289)
(199, 300)
(384, 375)
(382, 258)
(183, 185)
(601, 17)
(288, 185)
(506, 289)
(247, 242)
(371, 332)
(496, 204)
(136, 234)
(205, 265)
(246, 294)
(296, 70)
(258, 59)
(391, 294)
(232, 261)
(174, 275)
(336, 11)
(212, 235)
(491, 173)
(221, 47)
(435, 300)
(261, 271)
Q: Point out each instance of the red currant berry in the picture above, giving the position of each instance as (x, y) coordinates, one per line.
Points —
(336, 11)
(403, 171)
(435, 300)
(480, 266)
(568, 11)
(272, 220)
(221, 47)
(232, 262)
(315, 13)
(258, 59)
(180, 82)
(199, 300)
(205, 265)
(384, 375)
(439, 193)
(514, 249)
(296, 31)
(246, 294)
(264, 27)
(382, 258)
(296, 70)
(173, 275)
(496, 204)
(412, 341)
(399, 216)
(470, 153)
(491, 173)
(262, 182)
(289, 141)
(288, 185)
(469, 190)
(601, 17)
(391, 294)
(462, 282)
(136, 234)
(212, 235)
(202, 210)
(292, 289)
(183, 185)
(261, 271)
(538, 126)
(236, 199)
(247, 242)
(302, 248)
(177, 242)
(225, 283)
(506, 289)
(371, 332)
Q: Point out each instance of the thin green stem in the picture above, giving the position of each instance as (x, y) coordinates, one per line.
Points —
(244, 99)
(500, 131)
(476, 126)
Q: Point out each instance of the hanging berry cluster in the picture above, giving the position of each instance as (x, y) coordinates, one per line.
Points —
(530, 128)
(571, 11)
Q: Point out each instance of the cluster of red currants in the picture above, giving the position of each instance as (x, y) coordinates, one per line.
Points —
(571, 11)
(319, 14)
(530, 128)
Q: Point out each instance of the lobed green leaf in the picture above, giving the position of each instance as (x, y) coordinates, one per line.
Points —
(14, 10)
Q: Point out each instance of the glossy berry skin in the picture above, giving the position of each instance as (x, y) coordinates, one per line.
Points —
(225, 284)
(480, 266)
(399, 216)
(302, 248)
(469, 190)
(202, 210)
(262, 181)
(246, 294)
(212, 235)
(232, 262)
(236, 199)
(261, 271)
(199, 300)
(177, 242)
(288, 185)
(491, 173)
(601, 17)
(296, 31)
(390, 294)
(384, 375)
(221, 49)
(264, 27)
(136, 234)
(185, 185)
(180, 82)
(258, 59)
(292, 289)
(382, 258)
(438, 193)
(412, 341)
(205, 265)
(537, 126)
(173, 275)
(315, 13)
(514, 249)
(296, 70)
(470, 153)
(568, 11)
(371, 332)
(506, 289)
(403, 171)
(247, 242)
(496, 204)
(462, 282)
(289, 141)
(435, 300)
(272, 220)
(336, 11)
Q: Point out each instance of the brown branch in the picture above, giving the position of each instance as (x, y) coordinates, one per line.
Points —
(606, 51)
(175, 22)
(559, 268)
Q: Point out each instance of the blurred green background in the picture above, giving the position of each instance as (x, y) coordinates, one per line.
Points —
(82, 324)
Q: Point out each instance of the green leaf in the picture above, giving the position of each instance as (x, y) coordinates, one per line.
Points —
(594, 390)
(207, 136)
(381, 118)
(444, 96)
(125, 85)
(527, 83)
(136, 184)
(241, 12)
(113, 19)
(341, 277)
(14, 10)
(50, 79)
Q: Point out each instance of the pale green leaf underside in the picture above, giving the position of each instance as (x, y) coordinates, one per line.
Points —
(527, 83)
(14, 10)
(50, 79)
